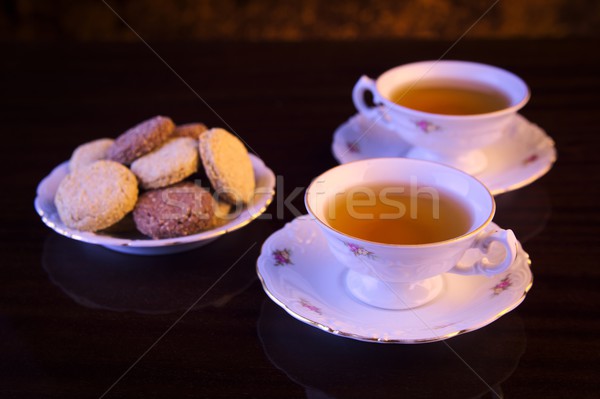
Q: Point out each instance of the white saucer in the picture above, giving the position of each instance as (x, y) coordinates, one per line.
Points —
(300, 274)
(139, 244)
(523, 155)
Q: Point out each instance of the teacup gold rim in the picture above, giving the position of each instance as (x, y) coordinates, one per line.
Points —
(465, 236)
(505, 111)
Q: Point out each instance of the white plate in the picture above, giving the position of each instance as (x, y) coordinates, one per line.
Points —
(300, 274)
(44, 205)
(523, 155)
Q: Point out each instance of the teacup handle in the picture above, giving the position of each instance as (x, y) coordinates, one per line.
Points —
(483, 265)
(363, 85)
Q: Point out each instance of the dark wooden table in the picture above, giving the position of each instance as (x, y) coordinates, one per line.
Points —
(81, 321)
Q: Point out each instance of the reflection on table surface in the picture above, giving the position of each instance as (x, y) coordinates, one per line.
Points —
(525, 211)
(467, 366)
(285, 99)
(96, 277)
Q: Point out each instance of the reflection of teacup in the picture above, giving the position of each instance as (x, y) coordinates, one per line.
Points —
(447, 109)
(330, 367)
(398, 274)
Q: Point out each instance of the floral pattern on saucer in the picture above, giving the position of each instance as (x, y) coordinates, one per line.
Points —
(282, 257)
(523, 155)
(313, 291)
(503, 285)
(309, 306)
(353, 147)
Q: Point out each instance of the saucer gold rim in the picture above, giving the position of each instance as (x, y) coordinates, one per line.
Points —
(361, 337)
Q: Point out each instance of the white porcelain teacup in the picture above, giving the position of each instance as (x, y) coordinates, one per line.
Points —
(396, 276)
(454, 140)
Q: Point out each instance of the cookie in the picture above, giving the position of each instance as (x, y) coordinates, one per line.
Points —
(89, 153)
(221, 215)
(141, 139)
(174, 211)
(227, 165)
(171, 163)
(193, 130)
(96, 196)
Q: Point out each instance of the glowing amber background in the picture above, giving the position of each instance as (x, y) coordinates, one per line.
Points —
(270, 20)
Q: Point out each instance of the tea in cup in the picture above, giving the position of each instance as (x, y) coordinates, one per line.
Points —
(398, 224)
(448, 110)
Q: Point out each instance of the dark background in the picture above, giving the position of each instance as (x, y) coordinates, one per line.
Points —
(75, 317)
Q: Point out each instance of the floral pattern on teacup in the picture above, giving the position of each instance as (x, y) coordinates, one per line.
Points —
(357, 250)
(502, 285)
(426, 126)
(282, 257)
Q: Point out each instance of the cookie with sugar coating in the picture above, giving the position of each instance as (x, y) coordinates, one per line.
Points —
(178, 210)
(222, 213)
(169, 164)
(141, 139)
(193, 130)
(97, 196)
(89, 153)
(227, 165)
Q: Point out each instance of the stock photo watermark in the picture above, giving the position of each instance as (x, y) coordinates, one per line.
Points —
(385, 201)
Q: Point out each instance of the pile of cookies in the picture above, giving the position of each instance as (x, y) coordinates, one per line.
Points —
(148, 172)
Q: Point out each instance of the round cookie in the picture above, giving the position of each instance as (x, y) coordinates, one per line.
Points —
(174, 211)
(141, 139)
(169, 164)
(96, 196)
(193, 130)
(89, 153)
(227, 165)
(222, 213)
